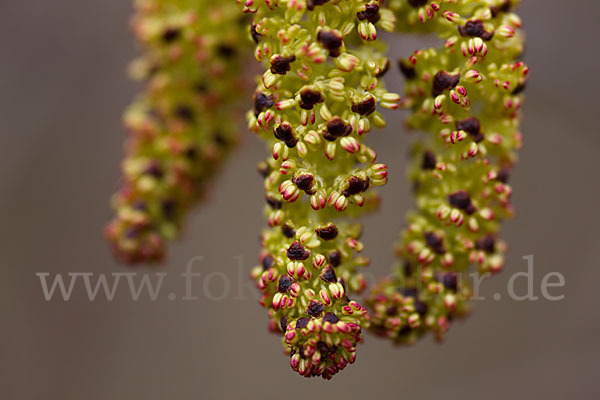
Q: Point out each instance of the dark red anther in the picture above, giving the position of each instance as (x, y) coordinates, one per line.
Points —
(280, 64)
(443, 81)
(462, 201)
(297, 252)
(328, 232)
(331, 40)
(435, 242)
(365, 107)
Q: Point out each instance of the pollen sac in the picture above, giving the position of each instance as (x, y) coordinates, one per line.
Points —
(314, 309)
(311, 4)
(487, 244)
(448, 279)
(327, 232)
(285, 282)
(170, 35)
(355, 185)
(443, 81)
(281, 65)
(474, 29)
(504, 7)
(255, 35)
(304, 182)
(297, 252)
(285, 133)
(331, 40)
(288, 231)
(365, 107)
(462, 200)
(328, 275)
(472, 126)
(429, 160)
(309, 98)
(417, 3)
(337, 128)
(335, 258)
(370, 13)
(262, 102)
(435, 242)
(407, 69)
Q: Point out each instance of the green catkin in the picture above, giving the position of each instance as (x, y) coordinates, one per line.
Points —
(466, 96)
(183, 124)
(313, 105)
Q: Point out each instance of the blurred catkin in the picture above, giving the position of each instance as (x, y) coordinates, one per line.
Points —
(183, 124)
(466, 98)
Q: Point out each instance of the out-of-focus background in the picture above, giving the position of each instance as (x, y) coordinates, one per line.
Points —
(63, 88)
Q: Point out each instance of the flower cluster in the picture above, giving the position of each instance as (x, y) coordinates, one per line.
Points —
(182, 126)
(320, 94)
(467, 97)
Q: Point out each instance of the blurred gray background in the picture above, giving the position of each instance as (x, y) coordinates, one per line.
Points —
(63, 88)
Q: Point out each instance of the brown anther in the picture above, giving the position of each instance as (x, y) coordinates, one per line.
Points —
(226, 50)
(417, 3)
(255, 35)
(448, 279)
(154, 170)
(355, 185)
(384, 69)
(274, 202)
(285, 133)
(331, 318)
(475, 28)
(304, 182)
(472, 126)
(280, 64)
(371, 13)
(462, 201)
(429, 160)
(328, 232)
(309, 98)
(407, 69)
(283, 323)
(391, 310)
(336, 127)
(487, 244)
(328, 274)
(311, 4)
(297, 252)
(285, 283)
(185, 113)
(443, 81)
(315, 308)
(520, 88)
(504, 7)
(335, 258)
(170, 35)
(302, 322)
(365, 107)
(331, 40)
(435, 242)
(262, 102)
(503, 175)
(268, 261)
(288, 231)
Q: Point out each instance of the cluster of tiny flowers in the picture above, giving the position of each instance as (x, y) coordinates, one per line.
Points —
(183, 125)
(467, 97)
(320, 94)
